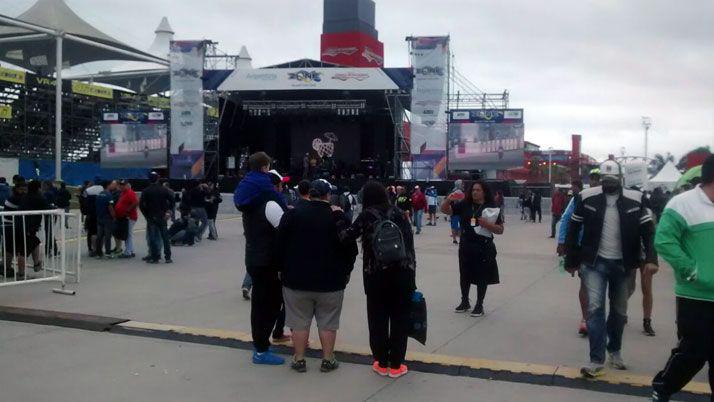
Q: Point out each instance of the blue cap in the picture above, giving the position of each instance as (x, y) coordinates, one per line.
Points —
(320, 188)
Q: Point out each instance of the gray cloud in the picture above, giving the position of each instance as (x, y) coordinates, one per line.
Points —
(589, 67)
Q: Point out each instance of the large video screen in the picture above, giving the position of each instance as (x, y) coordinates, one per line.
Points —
(486, 139)
(134, 140)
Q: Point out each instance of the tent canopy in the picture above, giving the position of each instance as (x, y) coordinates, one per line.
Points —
(667, 177)
(32, 46)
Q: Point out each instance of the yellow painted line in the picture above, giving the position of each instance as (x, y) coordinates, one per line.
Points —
(610, 377)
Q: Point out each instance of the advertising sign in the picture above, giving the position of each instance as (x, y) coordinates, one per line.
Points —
(92, 90)
(354, 49)
(6, 74)
(133, 140)
(186, 68)
(486, 139)
(428, 132)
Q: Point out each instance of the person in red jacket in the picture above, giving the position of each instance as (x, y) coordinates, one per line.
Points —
(419, 206)
(126, 208)
(556, 209)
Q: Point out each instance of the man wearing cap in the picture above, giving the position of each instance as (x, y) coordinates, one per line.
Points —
(315, 269)
(262, 207)
(155, 205)
(616, 227)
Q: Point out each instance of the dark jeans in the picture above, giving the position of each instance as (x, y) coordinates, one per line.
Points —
(104, 236)
(202, 216)
(388, 306)
(553, 224)
(606, 277)
(157, 234)
(265, 302)
(695, 328)
(536, 211)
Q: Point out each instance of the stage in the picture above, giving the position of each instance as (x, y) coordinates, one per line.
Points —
(313, 119)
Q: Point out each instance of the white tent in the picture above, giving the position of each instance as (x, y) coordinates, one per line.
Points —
(667, 177)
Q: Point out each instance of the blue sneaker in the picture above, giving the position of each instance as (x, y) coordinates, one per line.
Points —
(267, 358)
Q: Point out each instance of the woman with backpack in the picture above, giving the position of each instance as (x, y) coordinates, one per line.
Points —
(477, 252)
(389, 278)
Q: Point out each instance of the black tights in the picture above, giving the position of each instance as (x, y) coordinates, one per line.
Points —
(480, 292)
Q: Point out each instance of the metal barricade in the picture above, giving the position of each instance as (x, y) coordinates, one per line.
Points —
(50, 240)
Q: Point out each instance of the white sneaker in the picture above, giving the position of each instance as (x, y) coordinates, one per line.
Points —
(616, 362)
(592, 370)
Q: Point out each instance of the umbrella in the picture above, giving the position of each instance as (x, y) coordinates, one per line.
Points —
(690, 175)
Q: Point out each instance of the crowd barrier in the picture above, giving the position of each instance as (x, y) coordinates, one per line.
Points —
(40, 246)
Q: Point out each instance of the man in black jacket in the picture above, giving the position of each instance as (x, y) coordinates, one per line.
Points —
(616, 226)
(262, 208)
(155, 204)
(315, 271)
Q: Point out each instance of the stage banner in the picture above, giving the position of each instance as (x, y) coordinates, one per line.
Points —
(429, 56)
(186, 59)
(486, 139)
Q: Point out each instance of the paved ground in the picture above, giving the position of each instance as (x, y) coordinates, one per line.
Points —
(531, 317)
(60, 365)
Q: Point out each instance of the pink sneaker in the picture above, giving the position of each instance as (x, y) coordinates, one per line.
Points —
(383, 371)
(396, 373)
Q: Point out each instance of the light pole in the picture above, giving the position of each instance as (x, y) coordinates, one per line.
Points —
(550, 165)
(646, 124)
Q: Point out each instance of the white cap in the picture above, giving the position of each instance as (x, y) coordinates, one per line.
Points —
(610, 169)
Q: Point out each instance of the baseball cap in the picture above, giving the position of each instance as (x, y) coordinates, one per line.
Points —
(320, 188)
(610, 170)
(123, 182)
(275, 177)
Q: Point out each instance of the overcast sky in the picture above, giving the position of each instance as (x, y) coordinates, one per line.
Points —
(588, 67)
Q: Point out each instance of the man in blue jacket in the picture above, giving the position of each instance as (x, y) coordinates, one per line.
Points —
(259, 203)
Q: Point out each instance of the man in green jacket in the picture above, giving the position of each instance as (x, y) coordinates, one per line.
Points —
(684, 239)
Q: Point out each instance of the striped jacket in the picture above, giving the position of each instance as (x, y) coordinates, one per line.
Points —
(636, 226)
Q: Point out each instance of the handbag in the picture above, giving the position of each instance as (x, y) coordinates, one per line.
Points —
(418, 318)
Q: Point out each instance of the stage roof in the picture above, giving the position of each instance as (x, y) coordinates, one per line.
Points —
(35, 49)
(309, 78)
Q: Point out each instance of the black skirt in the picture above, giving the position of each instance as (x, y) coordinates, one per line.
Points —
(477, 260)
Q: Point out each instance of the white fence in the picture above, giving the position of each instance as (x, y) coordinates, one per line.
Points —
(40, 246)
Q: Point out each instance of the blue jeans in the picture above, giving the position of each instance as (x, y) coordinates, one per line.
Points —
(129, 249)
(202, 216)
(606, 335)
(156, 235)
(418, 216)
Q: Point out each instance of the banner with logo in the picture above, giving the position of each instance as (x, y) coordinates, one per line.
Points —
(290, 79)
(487, 139)
(429, 55)
(186, 58)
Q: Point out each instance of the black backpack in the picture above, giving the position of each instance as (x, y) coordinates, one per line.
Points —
(387, 241)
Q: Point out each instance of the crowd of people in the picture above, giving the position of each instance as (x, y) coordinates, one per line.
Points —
(607, 234)
(20, 236)
(110, 210)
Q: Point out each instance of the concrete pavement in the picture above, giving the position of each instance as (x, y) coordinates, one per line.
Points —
(63, 365)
